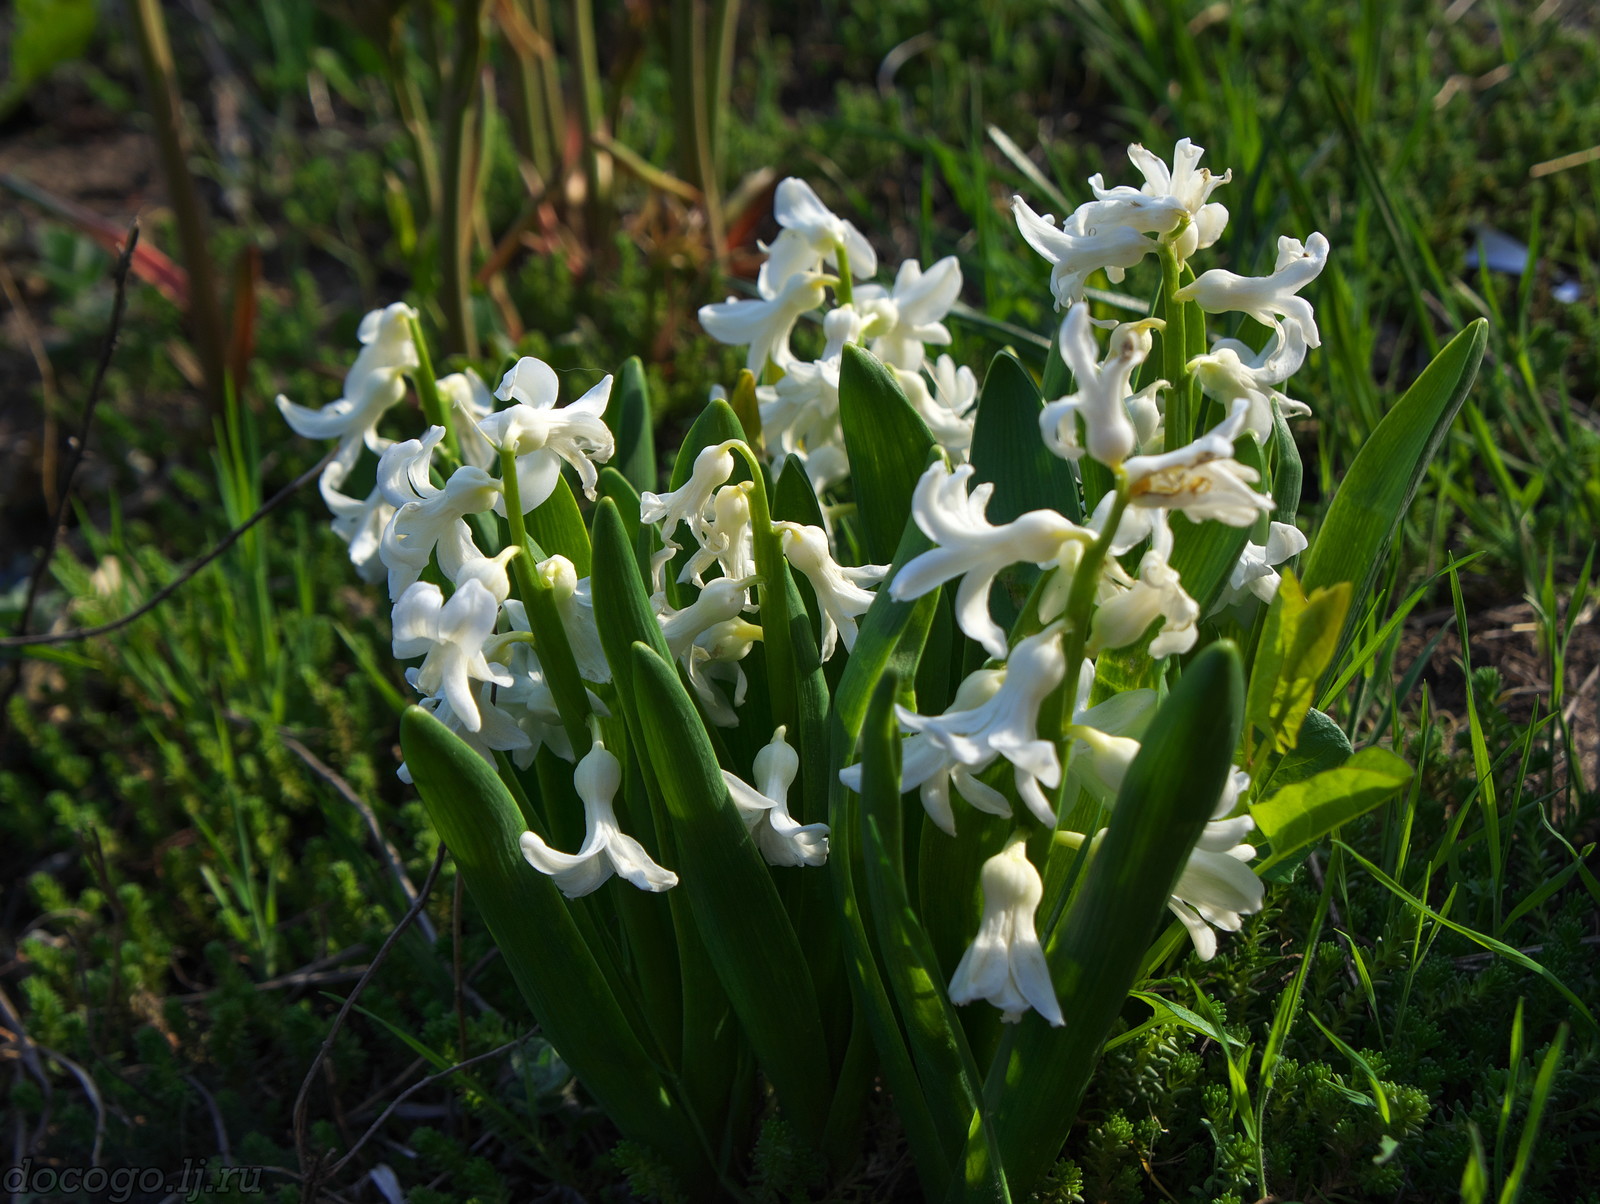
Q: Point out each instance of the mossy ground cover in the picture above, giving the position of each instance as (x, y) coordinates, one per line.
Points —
(206, 846)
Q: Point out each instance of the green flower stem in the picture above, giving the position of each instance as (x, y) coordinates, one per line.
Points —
(843, 288)
(1174, 351)
(771, 566)
(550, 637)
(433, 407)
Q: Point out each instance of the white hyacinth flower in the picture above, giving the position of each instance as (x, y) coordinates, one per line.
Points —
(720, 601)
(529, 699)
(765, 325)
(1202, 479)
(541, 436)
(1267, 299)
(1256, 572)
(1006, 725)
(470, 403)
(1173, 202)
(975, 549)
(576, 609)
(428, 519)
(727, 539)
(606, 849)
(360, 523)
(950, 427)
(1077, 250)
(1103, 389)
(715, 656)
(1217, 887)
(690, 501)
(1005, 963)
(812, 235)
(840, 591)
(450, 635)
(929, 768)
(765, 808)
(1231, 370)
(1157, 593)
(900, 321)
(489, 571)
(371, 386)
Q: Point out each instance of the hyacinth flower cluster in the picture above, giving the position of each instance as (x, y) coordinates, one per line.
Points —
(1108, 580)
(866, 584)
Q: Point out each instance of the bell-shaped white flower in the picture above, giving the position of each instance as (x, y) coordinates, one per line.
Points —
(928, 767)
(1006, 725)
(1217, 888)
(1267, 298)
(372, 385)
(715, 656)
(1078, 250)
(470, 403)
(360, 523)
(1256, 571)
(690, 502)
(727, 540)
(1005, 962)
(576, 609)
(542, 436)
(1202, 479)
(492, 572)
(812, 235)
(840, 591)
(765, 324)
(951, 428)
(1173, 202)
(427, 519)
(606, 848)
(902, 320)
(1157, 593)
(529, 699)
(975, 549)
(721, 600)
(1231, 370)
(1103, 389)
(765, 808)
(450, 635)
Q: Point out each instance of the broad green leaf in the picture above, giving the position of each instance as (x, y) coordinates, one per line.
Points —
(1374, 495)
(643, 539)
(1007, 449)
(735, 905)
(622, 609)
(888, 444)
(1288, 472)
(946, 1074)
(746, 408)
(1037, 1082)
(793, 498)
(628, 416)
(1304, 812)
(1297, 646)
(1322, 745)
(543, 946)
(557, 527)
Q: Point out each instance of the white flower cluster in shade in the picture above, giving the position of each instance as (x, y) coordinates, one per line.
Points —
(995, 715)
(799, 399)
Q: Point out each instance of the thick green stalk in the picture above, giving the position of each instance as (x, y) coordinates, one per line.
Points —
(770, 564)
(555, 652)
(843, 288)
(1174, 352)
(166, 111)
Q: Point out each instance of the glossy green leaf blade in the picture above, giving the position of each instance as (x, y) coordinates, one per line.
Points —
(1297, 646)
(1007, 449)
(556, 972)
(888, 444)
(1374, 495)
(628, 416)
(1322, 745)
(557, 527)
(1165, 801)
(621, 606)
(945, 1070)
(1304, 812)
(735, 905)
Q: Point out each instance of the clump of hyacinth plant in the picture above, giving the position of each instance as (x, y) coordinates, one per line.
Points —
(865, 581)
